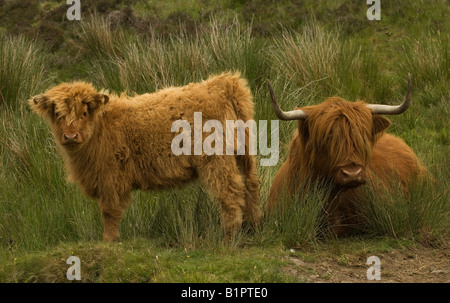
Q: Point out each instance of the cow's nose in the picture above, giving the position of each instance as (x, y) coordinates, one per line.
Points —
(351, 176)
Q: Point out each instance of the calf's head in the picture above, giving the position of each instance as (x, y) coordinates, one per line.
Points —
(72, 109)
(337, 136)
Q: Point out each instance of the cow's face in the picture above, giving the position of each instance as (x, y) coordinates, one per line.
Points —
(72, 109)
(338, 137)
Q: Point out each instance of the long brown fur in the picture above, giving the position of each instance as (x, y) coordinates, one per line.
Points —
(336, 133)
(127, 145)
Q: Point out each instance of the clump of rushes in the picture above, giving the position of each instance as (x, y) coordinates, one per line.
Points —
(23, 70)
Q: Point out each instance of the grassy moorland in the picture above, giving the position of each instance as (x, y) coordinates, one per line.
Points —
(309, 49)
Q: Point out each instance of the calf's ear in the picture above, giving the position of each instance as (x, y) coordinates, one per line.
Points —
(101, 99)
(98, 101)
(41, 105)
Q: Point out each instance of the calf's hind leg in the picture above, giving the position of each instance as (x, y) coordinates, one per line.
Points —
(252, 211)
(112, 213)
(222, 179)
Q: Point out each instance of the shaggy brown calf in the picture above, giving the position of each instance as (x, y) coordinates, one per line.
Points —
(345, 144)
(114, 144)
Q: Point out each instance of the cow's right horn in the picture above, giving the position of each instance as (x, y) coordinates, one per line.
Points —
(381, 109)
(290, 115)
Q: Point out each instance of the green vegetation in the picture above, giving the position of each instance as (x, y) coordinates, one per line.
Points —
(141, 260)
(309, 49)
(22, 71)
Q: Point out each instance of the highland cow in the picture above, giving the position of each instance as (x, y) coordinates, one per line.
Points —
(344, 144)
(113, 144)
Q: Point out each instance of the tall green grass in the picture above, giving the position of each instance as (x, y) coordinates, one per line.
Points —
(102, 47)
(37, 206)
(98, 40)
(184, 217)
(26, 167)
(23, 70)
(422, 215)
(152, 63)
(299, 221)
(323, 64)
(428, 59)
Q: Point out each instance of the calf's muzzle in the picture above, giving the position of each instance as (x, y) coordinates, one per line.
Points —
(70, 138)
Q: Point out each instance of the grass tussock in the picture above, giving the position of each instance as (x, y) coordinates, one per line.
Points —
(428, 59)
(23, 70)
(323, 64)
(422, 215)
(98, 40)
(145, 65)
(186, 218)
(299, 221)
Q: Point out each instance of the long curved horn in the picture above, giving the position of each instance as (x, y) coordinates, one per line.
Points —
(290, 115)
(379, 109)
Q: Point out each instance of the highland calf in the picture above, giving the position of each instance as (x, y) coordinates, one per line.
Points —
(114, 144)
(344, 144)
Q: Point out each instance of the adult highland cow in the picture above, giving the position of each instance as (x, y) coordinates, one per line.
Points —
(344, 144)
(114, 144)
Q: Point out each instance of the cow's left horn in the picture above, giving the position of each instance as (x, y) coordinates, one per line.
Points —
(393, 109)
(290, 115)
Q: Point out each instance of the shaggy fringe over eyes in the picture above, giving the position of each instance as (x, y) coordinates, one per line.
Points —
(62, 94)
(340, 134)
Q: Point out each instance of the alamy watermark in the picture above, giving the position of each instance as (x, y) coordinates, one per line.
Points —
(74, 271)
(374, 271)
(74, 11)
(374, 12)
(213, 144)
